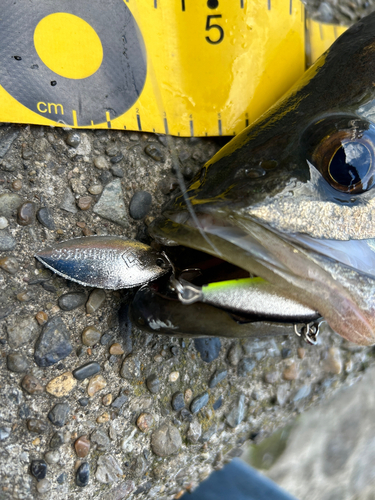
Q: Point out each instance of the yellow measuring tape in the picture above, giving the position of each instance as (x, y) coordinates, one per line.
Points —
(181, 67)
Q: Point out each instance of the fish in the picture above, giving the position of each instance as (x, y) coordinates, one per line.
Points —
(277, 229)
(291, 198)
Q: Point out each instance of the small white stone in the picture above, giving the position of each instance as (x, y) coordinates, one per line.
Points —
(174, 376)
(3, 222)
(52, 457)
(43, 486)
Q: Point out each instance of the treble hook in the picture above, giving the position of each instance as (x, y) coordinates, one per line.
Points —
(309, 332)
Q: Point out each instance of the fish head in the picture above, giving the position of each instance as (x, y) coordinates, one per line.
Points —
(291, 198)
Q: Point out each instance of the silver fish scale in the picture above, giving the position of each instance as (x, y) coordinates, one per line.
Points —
(107, 262)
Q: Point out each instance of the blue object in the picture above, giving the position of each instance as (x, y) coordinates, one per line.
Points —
(238, 481)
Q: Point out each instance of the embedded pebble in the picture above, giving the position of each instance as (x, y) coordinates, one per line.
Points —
(62, 478)
(194, 432)
(290, 372)
(209, 433)
(100, 439)
(24, 296)
(218, 403)
(218, 376)
(112, 150)
(199, 402)
(111, 205)
(145, 421)
(154, 152)
(68, 202)
(237, 412)
(83, 401)
(96, 300)
(153, 383)
(45, 217)
(282, 394)
(53, 343)
(166, 440)
(7, 242)
(90, 336)
(107, 399)
(234, 354)
(9, 203)
(96, 384)
(82, 446)
(188, 395)
(302, 393)
(95, 189)
(120, 401)
(83, 475)
(209, 348)
(72, 300)
(17, 185)
(52, 457)
(3, 222)
(271, 377)
(36, 425)
(21, 331)
(38, 469)
(105, 177)
(131, 367)
(140, 205)
(186, 415)
(116, 349)
(174, 376)
(61, 386)
(73, 139)
(102, 419)
(121, 492)
(41, 317)
(178, 401)
(31, 384)
(58, 439)
(286, 352)
(87, 370)
(43, 486)
(101, 163)
(9, 264)
(106, 338)
(4, 433)
(17, 363)
(59, 414)
(333, 363)
(116, 170)
(245, 366)
(26, 213)
(301, 351)
(108, 470)
(84, 202)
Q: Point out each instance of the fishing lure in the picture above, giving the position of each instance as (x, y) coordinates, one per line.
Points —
(288, 202)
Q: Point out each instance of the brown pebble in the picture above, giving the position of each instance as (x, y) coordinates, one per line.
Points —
(102, 419)
(17, 185)
(90, 336)
(271, 377)
(82, 446)
(301, 351)
(116, 349)
(145, 421)
(36, 442)
(37, 425)
(333, 363)
(188, 395)
(9, 264)
(26, 213)
(84, 202)
(107, 399)
(89, 351)
(87, 231)
(81, 224)
(96, 384)
(41, 317)
(31, 384)
(23, 296)
(179, 495)
(61, 386)
(291, 372)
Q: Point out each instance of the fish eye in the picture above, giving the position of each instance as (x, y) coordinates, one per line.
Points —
(349, 166)
(346, 156)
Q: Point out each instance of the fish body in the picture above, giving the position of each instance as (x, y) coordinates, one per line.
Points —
(291, 198)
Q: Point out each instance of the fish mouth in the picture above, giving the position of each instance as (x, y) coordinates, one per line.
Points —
(321, 274)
